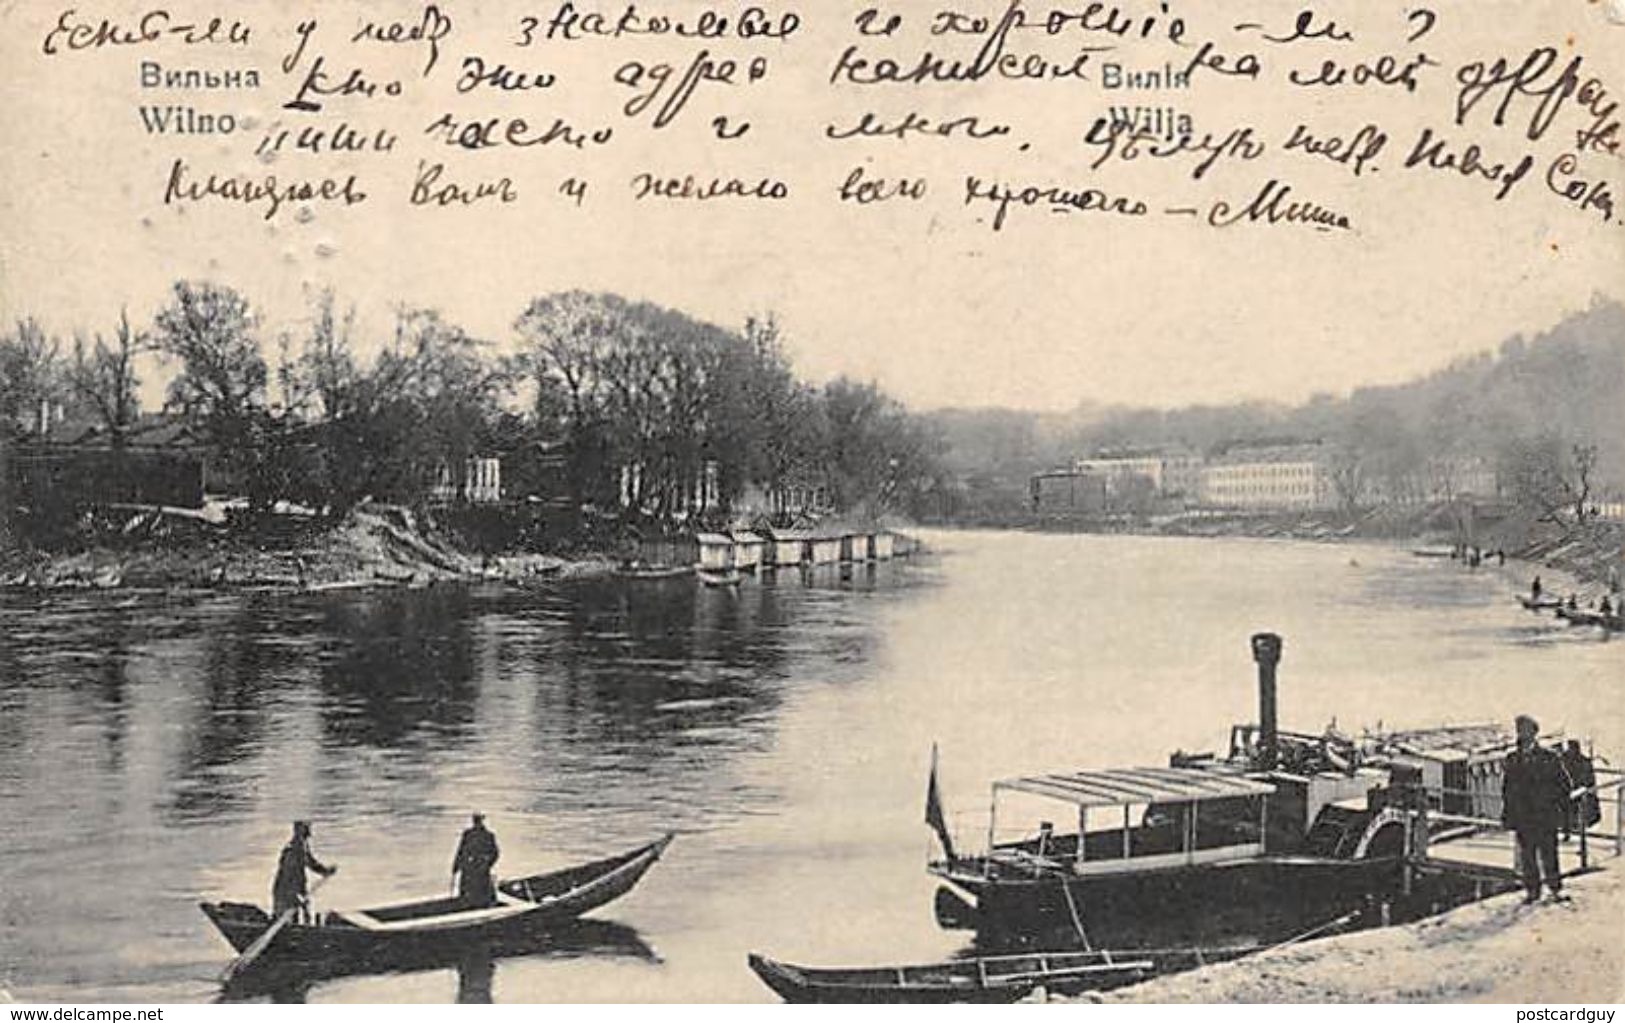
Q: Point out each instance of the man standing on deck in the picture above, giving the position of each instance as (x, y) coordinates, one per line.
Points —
(476, 854)
(289, 891)
(1535, 804)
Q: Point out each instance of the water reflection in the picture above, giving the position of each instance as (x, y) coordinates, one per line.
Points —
(476, 966)
(166, 740)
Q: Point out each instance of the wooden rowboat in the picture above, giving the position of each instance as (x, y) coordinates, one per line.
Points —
(721, 580)
(1540, 603)
(987, 979)
(524, 906)
(1581, 616)
(654, 573)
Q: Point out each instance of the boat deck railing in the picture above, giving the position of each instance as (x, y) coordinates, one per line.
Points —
(1609, 791)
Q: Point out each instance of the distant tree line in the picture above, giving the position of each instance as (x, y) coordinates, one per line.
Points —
(647, 410)
(1544, 415)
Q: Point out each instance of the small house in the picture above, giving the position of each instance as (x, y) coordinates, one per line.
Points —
(787, 548)
(716, 552)
(749, 551)
(826, 550)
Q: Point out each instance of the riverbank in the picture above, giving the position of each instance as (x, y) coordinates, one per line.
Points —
(379, 546)
(383, 546)
(1498, 950)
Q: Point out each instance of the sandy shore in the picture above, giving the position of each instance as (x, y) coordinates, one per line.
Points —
(1498, 950)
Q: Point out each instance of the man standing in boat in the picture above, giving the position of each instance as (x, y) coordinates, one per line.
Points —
(1535, 805)
(476, 854)
(289, 891)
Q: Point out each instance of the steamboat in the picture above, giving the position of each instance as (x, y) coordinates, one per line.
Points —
(1284, 828)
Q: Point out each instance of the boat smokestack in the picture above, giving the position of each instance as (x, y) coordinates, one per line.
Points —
(1267, 654)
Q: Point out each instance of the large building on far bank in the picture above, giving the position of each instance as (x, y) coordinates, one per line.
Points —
(1171, 471)
(1259, 476)
(1268, 477)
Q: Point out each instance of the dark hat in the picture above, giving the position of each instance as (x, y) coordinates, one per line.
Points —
(479, 818)
(1523, 721)
(301, 827)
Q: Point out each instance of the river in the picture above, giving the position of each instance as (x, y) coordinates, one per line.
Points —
(154, 747)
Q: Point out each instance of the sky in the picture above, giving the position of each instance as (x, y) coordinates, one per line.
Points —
(923, 297)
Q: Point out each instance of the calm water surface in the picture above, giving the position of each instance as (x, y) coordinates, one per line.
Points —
(154, 747)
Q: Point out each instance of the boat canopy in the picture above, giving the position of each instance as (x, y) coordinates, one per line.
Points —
(1136, 785)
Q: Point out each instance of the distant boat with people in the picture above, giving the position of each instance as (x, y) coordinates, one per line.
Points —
(1610, 621)
(1543, 603)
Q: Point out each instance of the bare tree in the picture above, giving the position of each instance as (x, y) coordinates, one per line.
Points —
(209, 328)
(1577, 482)
(103, 377)
(29, 373)
(1554, 482)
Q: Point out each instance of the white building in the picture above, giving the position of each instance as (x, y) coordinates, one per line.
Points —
(1276, 477)
(479, 482)
(1171, 471)
(1117, 468)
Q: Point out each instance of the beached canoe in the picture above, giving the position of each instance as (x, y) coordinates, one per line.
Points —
(988, 979)
(524, 905)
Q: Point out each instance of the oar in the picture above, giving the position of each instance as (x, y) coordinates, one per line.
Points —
(1314, 931)
(261, 943)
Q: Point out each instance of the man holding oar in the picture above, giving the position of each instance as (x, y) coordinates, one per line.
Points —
(289, 891)
(476, 854)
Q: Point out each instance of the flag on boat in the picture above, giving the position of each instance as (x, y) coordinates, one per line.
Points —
(933, 808)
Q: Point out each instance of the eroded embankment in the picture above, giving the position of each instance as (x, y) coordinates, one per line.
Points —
(379, 546)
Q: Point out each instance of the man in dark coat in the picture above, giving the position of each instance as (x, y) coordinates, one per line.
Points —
(1535, 804)
(476, 854)
(289, 890)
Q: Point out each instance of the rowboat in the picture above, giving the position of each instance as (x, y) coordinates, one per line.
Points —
(985, 979)
(655, 573)
(340, 585)
(1581, 616)
(1540, 603)
(719, 580)
(524, 906)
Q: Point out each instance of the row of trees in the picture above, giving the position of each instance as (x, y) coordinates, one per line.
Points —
(662, 397)
(643, 406)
